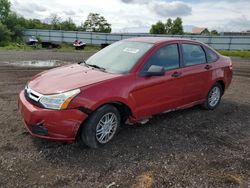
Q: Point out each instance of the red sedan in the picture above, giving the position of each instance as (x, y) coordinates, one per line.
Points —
(126, 82)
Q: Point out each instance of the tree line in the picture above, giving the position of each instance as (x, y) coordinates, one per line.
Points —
(12, 24)
(171, 27)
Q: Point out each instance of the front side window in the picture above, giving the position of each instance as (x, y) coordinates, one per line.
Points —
(193, 54)
(167, 57)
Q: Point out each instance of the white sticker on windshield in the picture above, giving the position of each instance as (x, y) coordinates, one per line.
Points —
(131, 50)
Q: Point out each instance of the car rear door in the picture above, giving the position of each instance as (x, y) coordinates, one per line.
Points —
(196, 72)
(156, 94)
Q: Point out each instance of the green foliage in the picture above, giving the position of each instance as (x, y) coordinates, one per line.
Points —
(12, 22)
(12, 25)
(96, 23)
(36, 24)
(158, 28)
(92, 48)
(4, 10)
(68, 25)
(15, 46)
(168, 26)
(15, 24)
(171, 27)
(5, 35)
(236, 53)
(64, 47)
(38, 37)
(177, 28)
(55, 21)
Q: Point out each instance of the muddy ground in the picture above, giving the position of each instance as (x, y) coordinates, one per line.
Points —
(187, 148)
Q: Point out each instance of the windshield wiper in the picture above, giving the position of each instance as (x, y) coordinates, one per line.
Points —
(97, 67)
(83, 61)
(94, 66)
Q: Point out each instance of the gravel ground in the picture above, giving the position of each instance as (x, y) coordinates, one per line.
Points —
(187, 148)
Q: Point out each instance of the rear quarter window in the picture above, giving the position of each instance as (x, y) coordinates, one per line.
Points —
(211, 55)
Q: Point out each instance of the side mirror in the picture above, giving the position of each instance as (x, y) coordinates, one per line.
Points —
(154, 70)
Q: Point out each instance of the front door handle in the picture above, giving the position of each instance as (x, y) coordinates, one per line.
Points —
(208, 67)
(176, 74)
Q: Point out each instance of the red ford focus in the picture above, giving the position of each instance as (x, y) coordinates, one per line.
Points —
(126, 82)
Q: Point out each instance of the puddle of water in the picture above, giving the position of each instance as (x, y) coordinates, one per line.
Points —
(35, 63)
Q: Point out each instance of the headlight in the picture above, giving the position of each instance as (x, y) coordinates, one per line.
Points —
(58, 101)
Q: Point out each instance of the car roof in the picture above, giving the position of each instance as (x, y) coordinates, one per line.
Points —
(157, 40)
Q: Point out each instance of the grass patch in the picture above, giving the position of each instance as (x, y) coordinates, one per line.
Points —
(69, 48)
(63, 47)
(235, 53)
(16, 46)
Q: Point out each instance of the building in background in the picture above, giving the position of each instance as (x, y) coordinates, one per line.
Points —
(200, 31)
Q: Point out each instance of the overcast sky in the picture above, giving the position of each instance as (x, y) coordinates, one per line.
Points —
(139, 15)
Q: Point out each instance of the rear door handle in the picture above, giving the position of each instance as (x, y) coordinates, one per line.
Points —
(176, 74)
(208, 67)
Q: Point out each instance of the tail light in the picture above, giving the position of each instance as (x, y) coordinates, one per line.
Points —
(230, 65)
(229, 61)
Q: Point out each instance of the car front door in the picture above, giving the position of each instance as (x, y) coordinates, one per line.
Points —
(196, 73)
(155, 94)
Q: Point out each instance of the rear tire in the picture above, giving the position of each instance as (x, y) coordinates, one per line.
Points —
(101, 127)
(213, 97)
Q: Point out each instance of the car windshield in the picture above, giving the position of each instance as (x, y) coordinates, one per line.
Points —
(119, 57)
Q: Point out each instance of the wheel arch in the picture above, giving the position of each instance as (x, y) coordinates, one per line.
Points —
(124, 110)
(222, 83)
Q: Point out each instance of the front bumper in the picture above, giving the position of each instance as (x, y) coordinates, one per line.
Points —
(48, 124)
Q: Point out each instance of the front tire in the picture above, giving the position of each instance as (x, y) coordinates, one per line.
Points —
(101, 127)
(213, 97)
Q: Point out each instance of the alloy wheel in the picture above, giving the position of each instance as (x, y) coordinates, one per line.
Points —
(214, 96)
(106, 128)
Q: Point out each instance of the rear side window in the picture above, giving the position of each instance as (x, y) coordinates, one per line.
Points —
(167, 57)
(211, 56)
(193, 54)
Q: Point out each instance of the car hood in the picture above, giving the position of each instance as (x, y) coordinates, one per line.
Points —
(66, 78)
